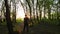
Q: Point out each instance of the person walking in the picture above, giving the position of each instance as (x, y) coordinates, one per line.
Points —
(26, 27)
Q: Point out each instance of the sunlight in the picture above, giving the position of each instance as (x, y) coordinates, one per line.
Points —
(20, 11)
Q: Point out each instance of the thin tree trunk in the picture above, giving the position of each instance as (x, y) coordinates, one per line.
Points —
(14, 13)
(44, 11)
(49, 13)
(34, 14)
(34, 20)
(57, 13)
(40, 13)
(37, 11)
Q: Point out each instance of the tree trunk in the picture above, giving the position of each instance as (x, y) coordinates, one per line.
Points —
(14, 13)
(44, 11)
(44, 8)
(8, 20)
(49, 13)
(40, 12)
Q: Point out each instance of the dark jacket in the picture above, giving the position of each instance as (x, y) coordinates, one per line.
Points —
(26, 21)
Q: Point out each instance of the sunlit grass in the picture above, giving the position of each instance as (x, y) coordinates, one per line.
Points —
(19, 20)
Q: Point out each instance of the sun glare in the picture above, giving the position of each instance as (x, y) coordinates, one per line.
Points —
(20, 11)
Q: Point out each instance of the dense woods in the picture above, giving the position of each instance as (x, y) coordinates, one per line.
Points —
(40, 12)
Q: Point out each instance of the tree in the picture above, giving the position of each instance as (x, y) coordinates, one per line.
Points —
(49, 8)
(40, 5)
(30, 9)
(59, 12)
(14, 12)
(8, 19)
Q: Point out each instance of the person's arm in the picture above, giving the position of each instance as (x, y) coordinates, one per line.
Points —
(24, 20)
(28, 21)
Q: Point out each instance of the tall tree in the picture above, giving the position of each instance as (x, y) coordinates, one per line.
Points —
(44, 5)
(14, 12)
(47, 5)
(8, 19)
(49, 8)
(3, 11)
(40, 5)
(29, 5)
(37, 11)
(59, 12)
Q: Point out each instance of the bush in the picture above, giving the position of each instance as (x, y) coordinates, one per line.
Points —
(50, 21)
(19, 20)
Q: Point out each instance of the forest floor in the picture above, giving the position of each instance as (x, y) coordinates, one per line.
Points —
(43, 29)
(37, 29)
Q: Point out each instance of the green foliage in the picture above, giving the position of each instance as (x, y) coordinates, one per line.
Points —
(19, 20)
(51, 22)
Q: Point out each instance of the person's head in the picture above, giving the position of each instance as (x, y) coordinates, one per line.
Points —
(25, 15)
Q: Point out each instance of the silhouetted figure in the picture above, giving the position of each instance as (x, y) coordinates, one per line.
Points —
(26, 21)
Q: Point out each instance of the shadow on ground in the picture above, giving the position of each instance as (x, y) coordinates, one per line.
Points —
(37, 29)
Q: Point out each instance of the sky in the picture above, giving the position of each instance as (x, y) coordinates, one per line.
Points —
(20, 11)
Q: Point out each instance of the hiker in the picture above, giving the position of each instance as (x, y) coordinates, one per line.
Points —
(26, 21)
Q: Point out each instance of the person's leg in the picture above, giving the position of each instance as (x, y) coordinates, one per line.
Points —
(27, 29)
(24, 29)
